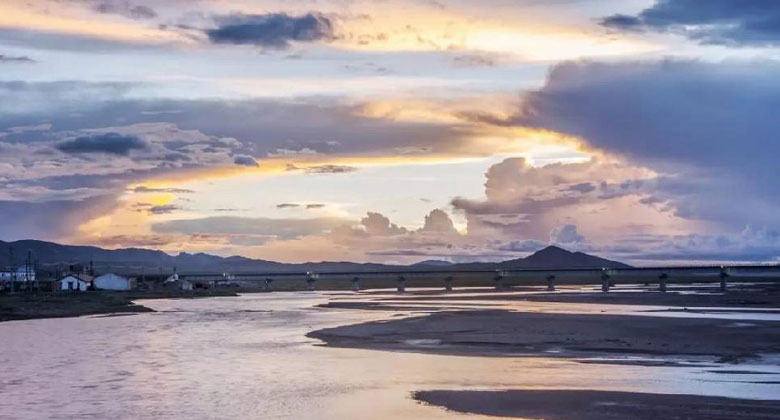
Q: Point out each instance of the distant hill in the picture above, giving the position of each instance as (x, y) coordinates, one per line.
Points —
(134, 260)
(549, 257)
(555, 257)
(432, 263)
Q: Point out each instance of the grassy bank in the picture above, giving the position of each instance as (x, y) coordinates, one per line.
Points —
(18, 306)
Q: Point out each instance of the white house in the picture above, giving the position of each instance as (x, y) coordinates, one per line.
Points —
(111, 281)
(72, 282)
(183, 284)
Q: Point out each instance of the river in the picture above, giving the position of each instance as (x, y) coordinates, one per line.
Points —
(248, 357)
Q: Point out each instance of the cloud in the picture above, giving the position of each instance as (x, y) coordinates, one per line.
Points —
(53, 219)
(438, 222)
(474, 60)
(164, 209)
(275, 30)
(528, 245)
(144, 189)
(377, 224)
(311, 206)
(738, 22)
(15, 59)
(124, 8)
(566, 234)
(306, 127)
(584, 187)
(127, 142)
(291, 152)
(749, 245)
(283, 229)
(111, 143)
(245, 160)
(330, 169)
(709, 130)
(524, 202)
(322, 169)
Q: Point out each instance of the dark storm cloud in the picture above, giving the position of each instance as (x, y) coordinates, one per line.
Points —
(54, 219)
(111, 143)
(275, 30)
(245, 160)
(709, 129)
(749, 22)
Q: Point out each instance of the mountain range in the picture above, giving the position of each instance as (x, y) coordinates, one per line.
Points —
(50, 255)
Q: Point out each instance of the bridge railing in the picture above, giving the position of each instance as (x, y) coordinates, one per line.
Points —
(606, 276)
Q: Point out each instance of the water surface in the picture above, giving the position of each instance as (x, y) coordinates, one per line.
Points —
(248, 358)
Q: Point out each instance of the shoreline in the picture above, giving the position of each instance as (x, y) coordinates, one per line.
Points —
(27, 306)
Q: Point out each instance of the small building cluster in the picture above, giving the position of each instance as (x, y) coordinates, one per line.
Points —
(84, 282)
(21, 278)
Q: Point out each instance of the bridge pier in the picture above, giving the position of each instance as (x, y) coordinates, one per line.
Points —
(355, 284)
(311, 278)
(662, 282)
(448, 284)
(401, 284)
(499, 280)
(604, 281)
(550, 283)
(267, 284)
(723, 276)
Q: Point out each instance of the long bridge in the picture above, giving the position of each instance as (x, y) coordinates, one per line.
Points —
(721, 274)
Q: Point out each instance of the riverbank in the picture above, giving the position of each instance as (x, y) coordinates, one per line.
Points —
(599, 405)
(20, 306)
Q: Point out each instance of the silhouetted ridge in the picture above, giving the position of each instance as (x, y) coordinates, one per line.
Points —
(135, 260)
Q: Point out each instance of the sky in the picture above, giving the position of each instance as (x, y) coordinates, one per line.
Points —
(394, 131)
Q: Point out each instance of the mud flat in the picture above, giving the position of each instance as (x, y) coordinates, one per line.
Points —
(505, 333)
(599, 405)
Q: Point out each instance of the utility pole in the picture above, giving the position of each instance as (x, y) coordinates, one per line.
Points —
(12, 267)
(27, 269)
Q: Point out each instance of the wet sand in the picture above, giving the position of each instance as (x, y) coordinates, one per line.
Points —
(505, 333)
(599, 405)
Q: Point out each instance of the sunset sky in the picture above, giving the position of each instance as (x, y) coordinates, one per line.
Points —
(394, 130)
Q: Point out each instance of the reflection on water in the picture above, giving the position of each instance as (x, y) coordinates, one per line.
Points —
(248, 358)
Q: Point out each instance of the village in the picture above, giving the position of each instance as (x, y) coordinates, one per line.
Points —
(84, 278)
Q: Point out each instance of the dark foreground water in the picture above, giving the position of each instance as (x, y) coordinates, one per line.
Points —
(248, 358)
